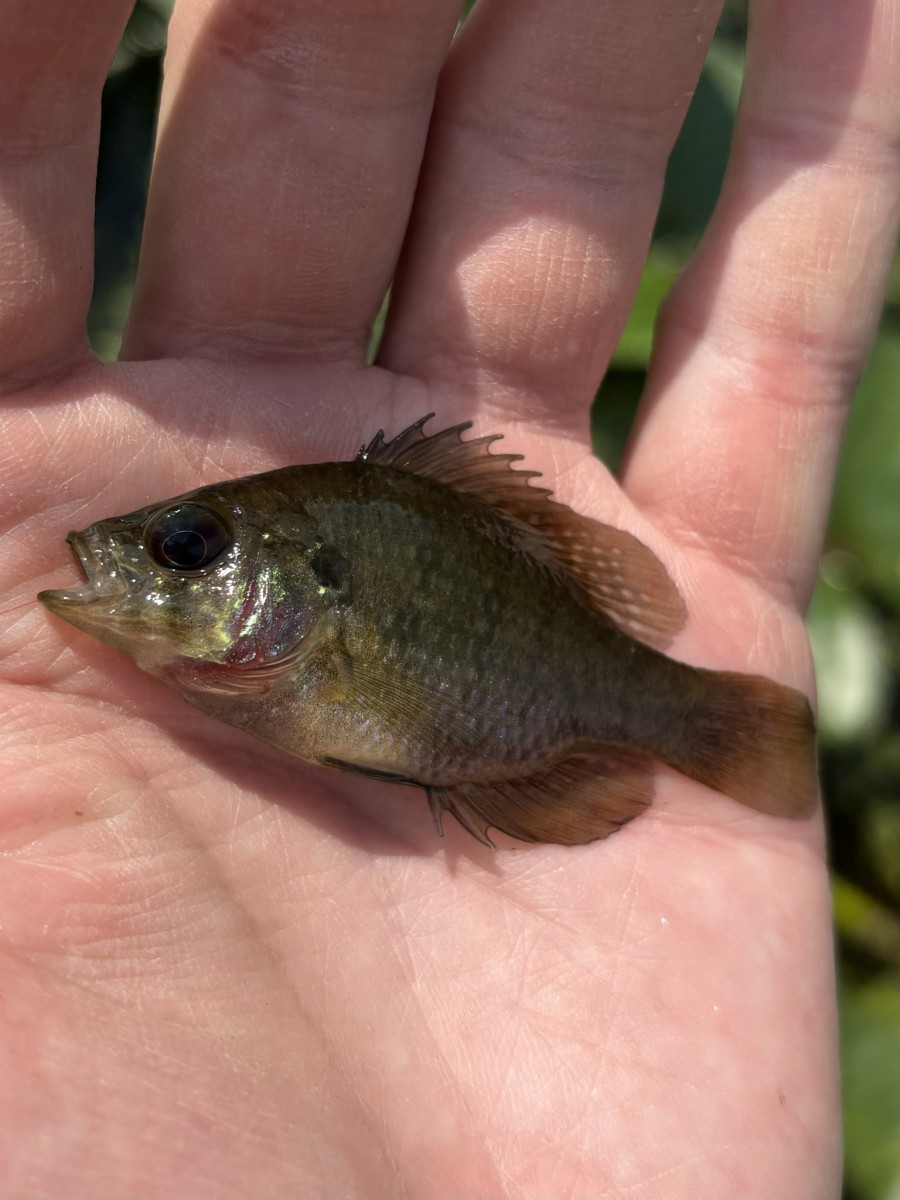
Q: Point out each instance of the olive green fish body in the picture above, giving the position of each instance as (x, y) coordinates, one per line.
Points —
(481, 684)
(425, 615)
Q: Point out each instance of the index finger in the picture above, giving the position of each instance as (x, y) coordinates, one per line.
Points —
(290, 139)
(53, 61)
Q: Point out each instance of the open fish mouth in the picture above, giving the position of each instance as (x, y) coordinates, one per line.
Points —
(102, 581)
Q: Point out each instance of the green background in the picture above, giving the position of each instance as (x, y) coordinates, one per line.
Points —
(855, 614)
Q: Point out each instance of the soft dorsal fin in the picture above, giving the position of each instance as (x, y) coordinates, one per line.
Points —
(622, 578)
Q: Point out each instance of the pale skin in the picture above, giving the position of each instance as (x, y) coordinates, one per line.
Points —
(225, 973)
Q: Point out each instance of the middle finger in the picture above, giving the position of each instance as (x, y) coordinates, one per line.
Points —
(542, 177)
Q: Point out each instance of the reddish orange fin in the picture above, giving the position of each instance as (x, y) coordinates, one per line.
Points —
(578, 800)
(754, 740)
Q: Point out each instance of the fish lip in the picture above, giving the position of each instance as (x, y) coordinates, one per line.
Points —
(102, 580)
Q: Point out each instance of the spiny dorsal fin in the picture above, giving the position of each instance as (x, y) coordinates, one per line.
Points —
(622, 578)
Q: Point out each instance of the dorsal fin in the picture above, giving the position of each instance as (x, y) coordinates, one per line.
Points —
(622, 578)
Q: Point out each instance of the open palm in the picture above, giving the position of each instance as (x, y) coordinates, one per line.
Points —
(227, 973)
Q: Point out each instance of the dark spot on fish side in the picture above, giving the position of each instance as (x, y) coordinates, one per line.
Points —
(408, 625)
(492, 608)
(429, 558)
(329, 566)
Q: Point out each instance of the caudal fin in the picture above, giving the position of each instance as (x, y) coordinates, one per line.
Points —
(754, 740)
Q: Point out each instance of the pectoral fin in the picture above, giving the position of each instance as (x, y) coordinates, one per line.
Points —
(410, 710)
(340, 764)
(581, 799)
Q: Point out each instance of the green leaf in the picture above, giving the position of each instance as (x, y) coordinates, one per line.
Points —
(881, 827)
(725, 68)
(866, 512)
(613, 413)
(870, 1029)
(376, 333)
(893, 287)
(660, 272)
(865, 922)
(851, 650)
(697, 163)
(108, 315)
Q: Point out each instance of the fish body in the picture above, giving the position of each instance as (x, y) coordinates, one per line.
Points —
(424, 614)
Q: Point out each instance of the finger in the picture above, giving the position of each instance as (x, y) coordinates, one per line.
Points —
(53, 61)
(762, 341)
(289, 143)
(542, 177)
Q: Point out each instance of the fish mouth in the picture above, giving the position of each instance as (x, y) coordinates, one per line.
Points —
(102, 581)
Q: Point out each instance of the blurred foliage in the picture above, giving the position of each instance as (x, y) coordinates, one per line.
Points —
(855, 614)
(130, 101)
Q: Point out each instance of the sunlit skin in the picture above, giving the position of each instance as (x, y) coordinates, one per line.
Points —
(225, 973)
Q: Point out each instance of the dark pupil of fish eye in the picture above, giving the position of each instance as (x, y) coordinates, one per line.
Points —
(188, 538)
(185, 549)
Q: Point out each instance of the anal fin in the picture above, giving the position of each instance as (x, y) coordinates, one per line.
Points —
(580, 799)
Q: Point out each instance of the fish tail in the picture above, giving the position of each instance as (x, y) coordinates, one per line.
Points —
(754, 740)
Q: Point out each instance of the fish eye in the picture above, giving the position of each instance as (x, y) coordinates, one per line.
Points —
(187, 538)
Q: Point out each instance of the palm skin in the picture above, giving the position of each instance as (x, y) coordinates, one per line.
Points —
(235, 967)
(227, 973)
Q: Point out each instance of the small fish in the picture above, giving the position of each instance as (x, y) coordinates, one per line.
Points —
(424, 614)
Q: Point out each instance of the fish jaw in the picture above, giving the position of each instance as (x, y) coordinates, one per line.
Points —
(103, 584)
(103, 606)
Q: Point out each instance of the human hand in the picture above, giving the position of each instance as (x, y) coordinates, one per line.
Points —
(227, 973)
